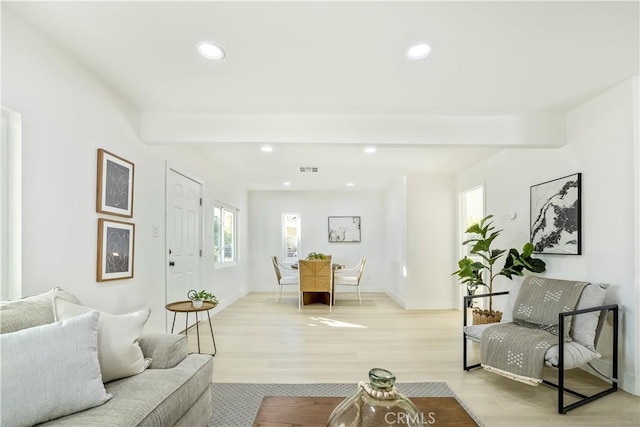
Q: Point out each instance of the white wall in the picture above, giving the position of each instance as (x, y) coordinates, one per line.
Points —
(601, 142)
(265, 228)
(67, 115)
(430, 231)
(419, 247)
(395, 242)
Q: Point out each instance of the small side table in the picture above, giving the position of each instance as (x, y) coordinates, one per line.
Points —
(186, 307)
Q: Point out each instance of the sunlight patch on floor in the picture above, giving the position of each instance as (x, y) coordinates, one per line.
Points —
(336, 323)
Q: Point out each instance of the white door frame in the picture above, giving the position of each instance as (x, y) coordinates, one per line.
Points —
(11, 206)
(462, 210)
(168, 169)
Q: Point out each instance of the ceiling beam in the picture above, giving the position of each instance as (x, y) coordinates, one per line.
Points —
(508, 131)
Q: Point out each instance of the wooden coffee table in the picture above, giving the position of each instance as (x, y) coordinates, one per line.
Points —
(278, 411)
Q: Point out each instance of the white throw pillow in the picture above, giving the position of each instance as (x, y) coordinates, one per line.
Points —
(507, 312)
(50, 371)
(585, 325)
(118, 350)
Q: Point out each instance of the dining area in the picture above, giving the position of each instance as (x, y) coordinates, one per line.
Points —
(316, 278)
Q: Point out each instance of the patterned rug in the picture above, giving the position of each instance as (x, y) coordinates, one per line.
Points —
(236, 405)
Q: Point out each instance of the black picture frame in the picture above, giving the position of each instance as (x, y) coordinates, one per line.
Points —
(556, 216)
(344, 229)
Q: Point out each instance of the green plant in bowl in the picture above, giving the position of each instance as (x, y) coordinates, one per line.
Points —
(317, 255)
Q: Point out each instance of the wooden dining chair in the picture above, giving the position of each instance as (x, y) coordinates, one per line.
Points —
(315, 276)
(286, 279)
(351, 276)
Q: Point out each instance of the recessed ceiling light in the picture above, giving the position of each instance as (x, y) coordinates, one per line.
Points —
(286, 183)
(370, 150)
(267, 148)
(210, 51)
(419, 51)
(350, 184)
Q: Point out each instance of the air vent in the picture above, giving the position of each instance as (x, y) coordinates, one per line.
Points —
(305, 169)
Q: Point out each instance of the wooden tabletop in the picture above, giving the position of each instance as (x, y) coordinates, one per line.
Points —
(315, 411)
(187, 307)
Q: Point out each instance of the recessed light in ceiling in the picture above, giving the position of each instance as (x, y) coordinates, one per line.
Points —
(370, 150)
(210, 51)
(419, 51)
(267, 148)
(350, 184)
(286, 183)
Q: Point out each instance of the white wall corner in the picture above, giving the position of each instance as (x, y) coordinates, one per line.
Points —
(632, 381)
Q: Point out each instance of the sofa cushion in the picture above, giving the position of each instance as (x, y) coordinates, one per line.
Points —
(31, 311)
(118, 350)
(156, 397)
(50, 371)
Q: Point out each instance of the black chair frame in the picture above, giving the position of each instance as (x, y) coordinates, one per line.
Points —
(584, 399)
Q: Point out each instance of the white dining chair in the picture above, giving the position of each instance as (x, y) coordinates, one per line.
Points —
(283, 276)
(351, 276)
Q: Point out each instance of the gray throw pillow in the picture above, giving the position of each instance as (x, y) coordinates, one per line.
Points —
(31, 311)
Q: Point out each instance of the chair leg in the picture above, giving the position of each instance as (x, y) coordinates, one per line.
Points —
(279, 293)
(358, 289)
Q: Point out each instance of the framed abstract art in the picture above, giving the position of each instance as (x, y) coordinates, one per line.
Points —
(116, 243)
(344, 229)
(114, 185)
(556, 216)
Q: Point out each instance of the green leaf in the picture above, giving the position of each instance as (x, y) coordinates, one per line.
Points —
(527, 250)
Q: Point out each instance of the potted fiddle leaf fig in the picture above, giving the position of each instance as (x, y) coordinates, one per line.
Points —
(482, 271)
(197, 298)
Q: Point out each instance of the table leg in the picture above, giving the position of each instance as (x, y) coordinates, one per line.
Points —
(174, 321)
(212, 338)
(198, 331)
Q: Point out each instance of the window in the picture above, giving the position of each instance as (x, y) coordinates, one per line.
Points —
(291, 236)
(225, 235)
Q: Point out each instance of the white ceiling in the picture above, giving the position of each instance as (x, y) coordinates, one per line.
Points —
(344, 58)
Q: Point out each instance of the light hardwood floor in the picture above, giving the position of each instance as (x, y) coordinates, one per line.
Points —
(261, 342)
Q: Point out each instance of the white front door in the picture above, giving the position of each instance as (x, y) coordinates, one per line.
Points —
(184, 241)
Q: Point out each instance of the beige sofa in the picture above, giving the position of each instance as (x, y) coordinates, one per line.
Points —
(173, 390)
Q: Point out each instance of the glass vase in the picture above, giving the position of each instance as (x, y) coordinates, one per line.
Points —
(376, 403)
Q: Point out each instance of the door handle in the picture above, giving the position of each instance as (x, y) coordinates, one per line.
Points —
(171, 263)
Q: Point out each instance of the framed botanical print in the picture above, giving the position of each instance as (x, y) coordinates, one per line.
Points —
(114, 185)
(116, 243)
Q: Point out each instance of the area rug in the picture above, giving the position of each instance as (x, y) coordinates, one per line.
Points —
(236, 405)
